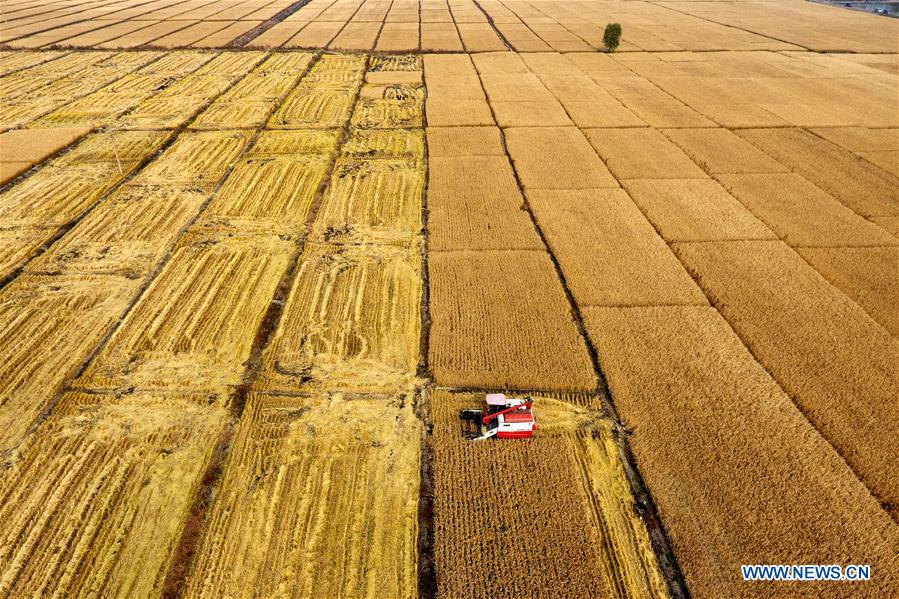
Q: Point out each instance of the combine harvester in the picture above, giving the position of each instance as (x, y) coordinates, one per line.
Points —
(504, 418)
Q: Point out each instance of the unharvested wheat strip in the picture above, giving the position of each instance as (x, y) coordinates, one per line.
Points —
(440, 37)
(22, 149)
(888, 160)
(314, 35)
(225, 36)
(864, 188)
(398, 37)
(193, 327)
(455, 95)
(694, 210)
(869, 275)
(698, 451)
(98, 36)
(501, 320)
(480, 37)
(145, 36)
(572, 465)
(48, 326)
(123, 472)
(346, 497)
(642, 154)
(190, 35)
(351, 322)
(610, 254)
(277, 35)
(861, 139)
(445, 142)
(720, 151)
(356, 36)
(835, 362)
(575, 164)
(801, 213)
(474, 203)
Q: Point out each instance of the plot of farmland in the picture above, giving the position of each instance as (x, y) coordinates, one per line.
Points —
(568, 496)
(256, 256)
(306, 480)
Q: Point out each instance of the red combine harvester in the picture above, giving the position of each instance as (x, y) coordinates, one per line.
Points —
(504, 418)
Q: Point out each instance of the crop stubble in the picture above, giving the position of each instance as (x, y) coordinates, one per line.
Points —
(319, 498)
(350, 322)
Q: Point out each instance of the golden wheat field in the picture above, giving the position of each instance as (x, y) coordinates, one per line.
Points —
(256, 257)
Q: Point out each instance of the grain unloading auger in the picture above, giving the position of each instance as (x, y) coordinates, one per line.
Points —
(504, 418)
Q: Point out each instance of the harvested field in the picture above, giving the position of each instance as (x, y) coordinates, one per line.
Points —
(589, 542)
(636, 267)
(832, 359)
(194, 326)
(274, 193)
(306, 479)
(501, 320)
(373, 200)
(696, 452)
(57, 320)
(350, 322)
(96, 502)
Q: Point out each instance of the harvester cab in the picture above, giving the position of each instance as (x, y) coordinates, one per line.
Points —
(503, 418)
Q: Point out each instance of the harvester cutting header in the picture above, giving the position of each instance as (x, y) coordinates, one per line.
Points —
(504, 418)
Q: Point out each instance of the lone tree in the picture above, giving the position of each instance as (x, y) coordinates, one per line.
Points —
(611, 36)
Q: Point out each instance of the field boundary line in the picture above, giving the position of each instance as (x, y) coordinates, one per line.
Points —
(647, 510)
(489, 18)
(279, 17)
(738, 28)
(426, 565)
